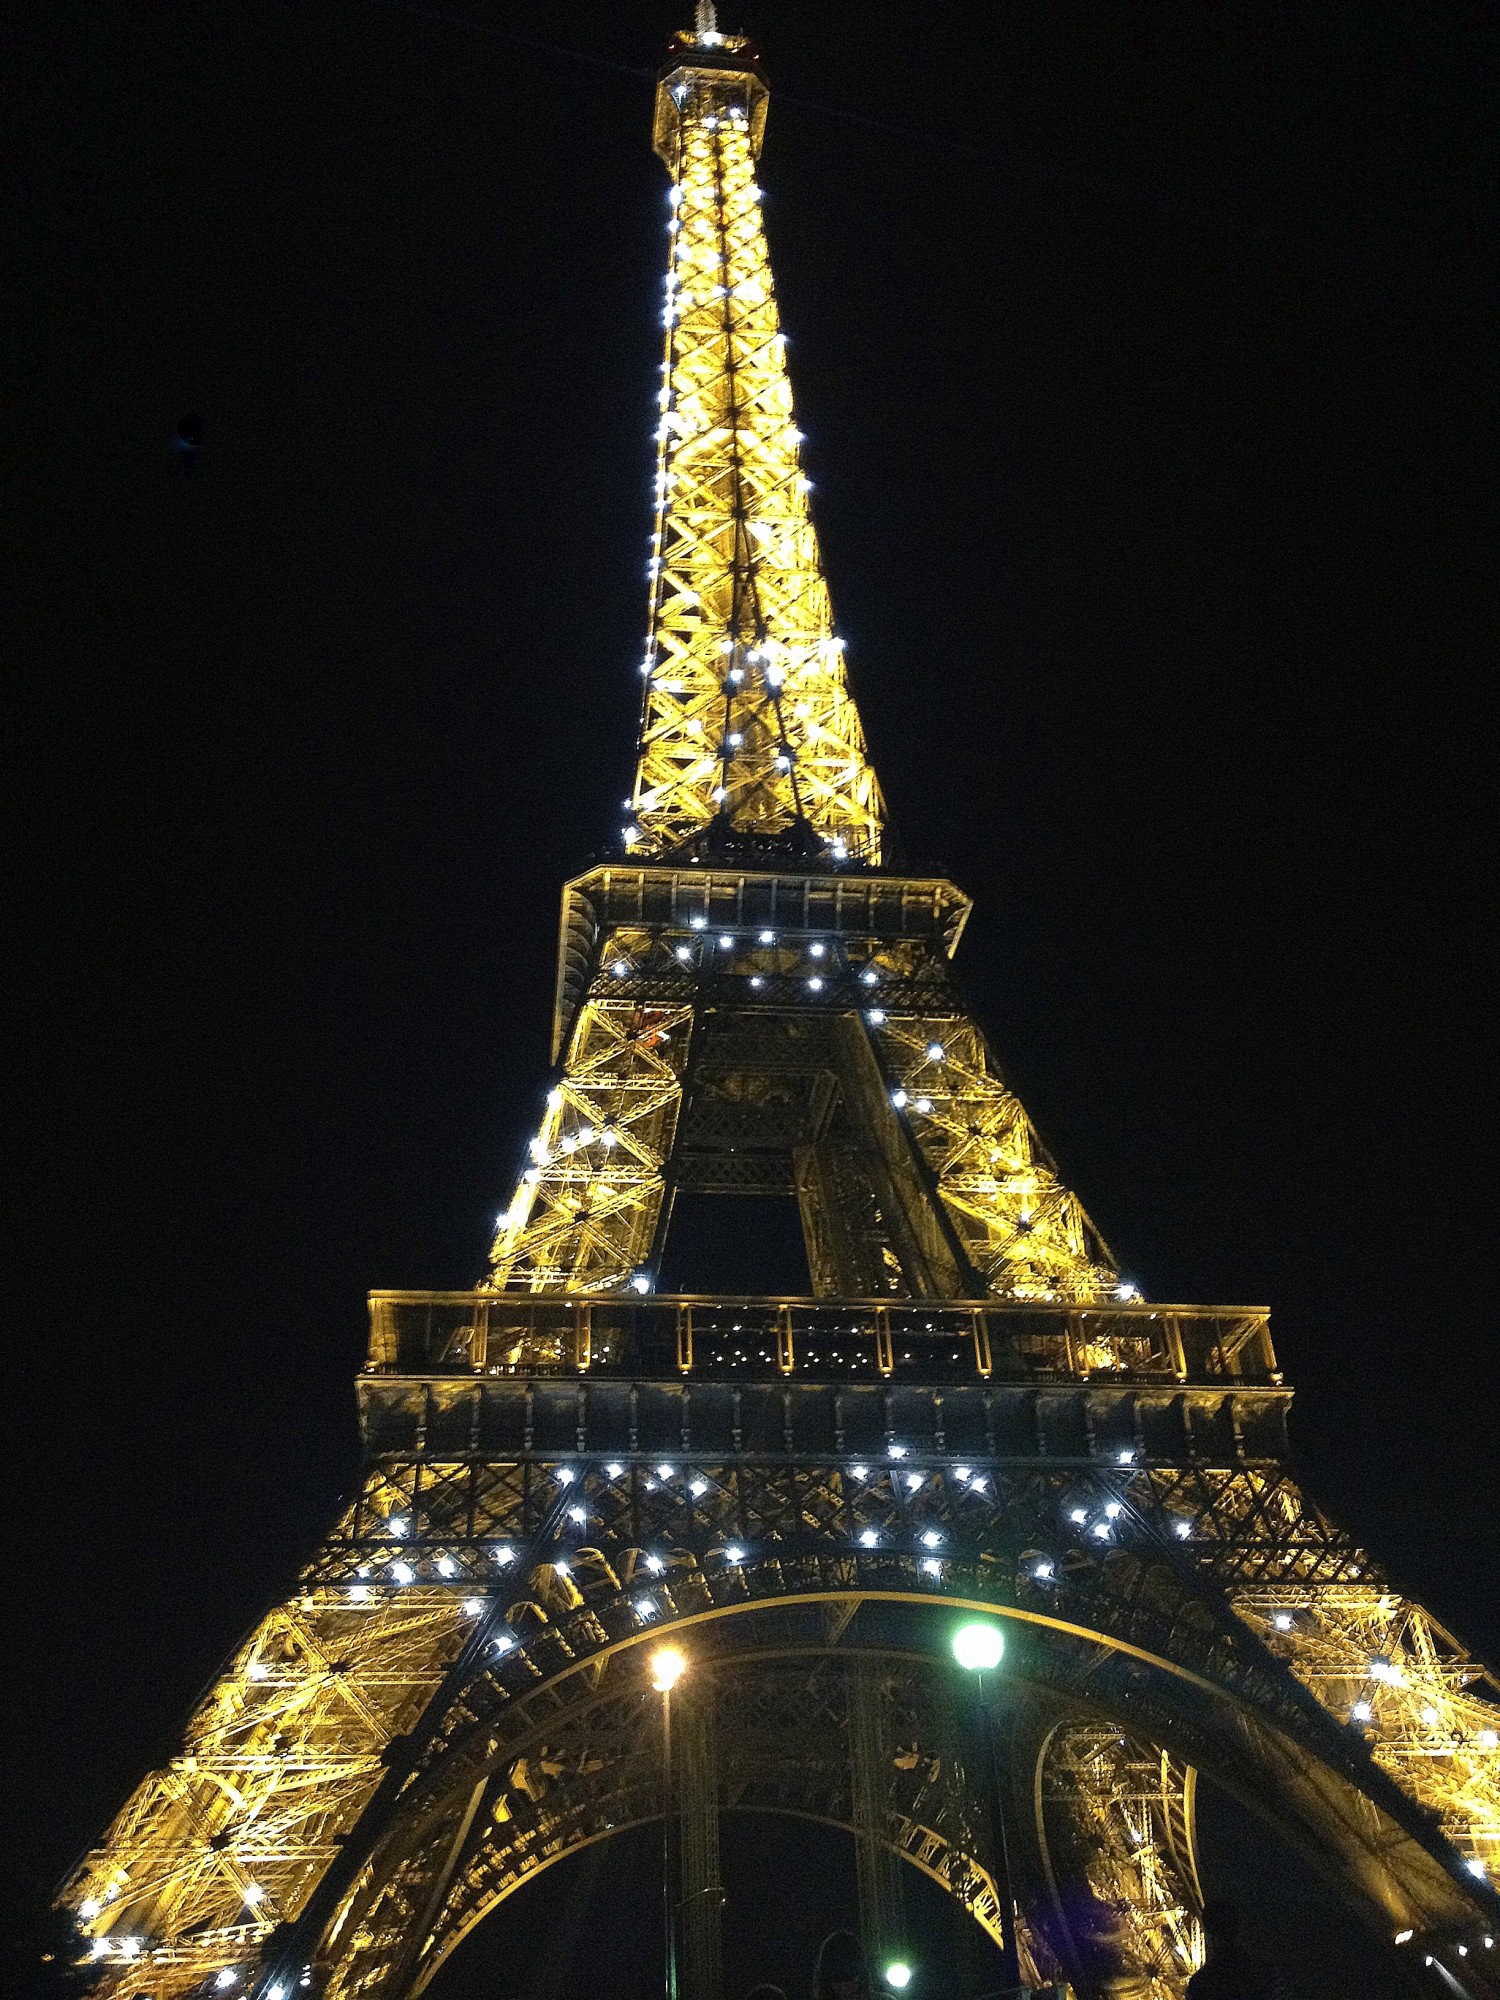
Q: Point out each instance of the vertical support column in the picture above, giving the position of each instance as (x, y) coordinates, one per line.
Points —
(701, 1887)
(882, 1917)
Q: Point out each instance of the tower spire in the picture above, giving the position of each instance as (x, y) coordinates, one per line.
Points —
(749, 739)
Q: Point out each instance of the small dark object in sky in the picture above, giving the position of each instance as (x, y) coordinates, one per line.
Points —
(187, 440)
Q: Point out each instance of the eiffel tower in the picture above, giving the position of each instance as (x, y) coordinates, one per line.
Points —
(968, 1414)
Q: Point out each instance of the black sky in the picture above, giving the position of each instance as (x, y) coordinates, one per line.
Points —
(1146, 355)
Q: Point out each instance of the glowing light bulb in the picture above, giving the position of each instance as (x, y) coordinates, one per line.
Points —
(472, 1606)
(1282, 1621)
(868, 1538)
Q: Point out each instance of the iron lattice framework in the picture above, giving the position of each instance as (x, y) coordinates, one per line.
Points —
(970, 1410)
(748, 729)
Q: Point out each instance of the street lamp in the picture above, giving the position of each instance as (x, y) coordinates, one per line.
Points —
(978, 1648)
(667, 1669)
(898, 1975)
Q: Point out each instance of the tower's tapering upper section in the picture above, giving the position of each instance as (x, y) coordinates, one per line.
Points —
(749, 739)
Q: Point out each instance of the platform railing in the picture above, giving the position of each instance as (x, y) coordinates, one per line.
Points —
(755, 1339)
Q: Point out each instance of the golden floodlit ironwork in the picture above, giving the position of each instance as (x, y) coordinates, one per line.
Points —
(970, 1411)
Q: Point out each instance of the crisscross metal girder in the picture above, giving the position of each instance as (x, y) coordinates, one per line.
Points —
(287, 1748)
(684, 1006)
(747, 721)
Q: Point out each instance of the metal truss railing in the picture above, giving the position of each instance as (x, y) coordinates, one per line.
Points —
(502, 1334)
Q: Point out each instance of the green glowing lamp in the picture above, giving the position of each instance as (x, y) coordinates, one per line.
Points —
(978, 1647)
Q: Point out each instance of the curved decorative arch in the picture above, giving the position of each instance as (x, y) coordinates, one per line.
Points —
(442, 1863)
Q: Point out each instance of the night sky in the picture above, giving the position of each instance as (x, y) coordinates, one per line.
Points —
(1146, 356)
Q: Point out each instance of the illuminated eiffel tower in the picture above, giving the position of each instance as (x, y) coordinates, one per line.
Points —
(969, 1413)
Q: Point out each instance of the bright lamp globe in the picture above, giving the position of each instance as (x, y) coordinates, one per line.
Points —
(666, 1669)
(978, 1647)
